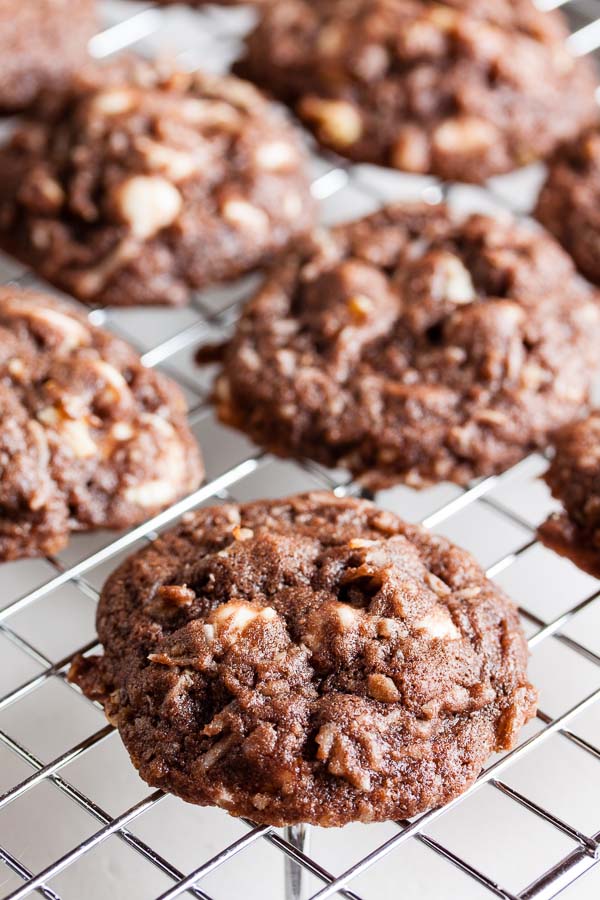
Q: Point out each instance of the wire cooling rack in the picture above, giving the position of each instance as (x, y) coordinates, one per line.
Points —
(76, 821)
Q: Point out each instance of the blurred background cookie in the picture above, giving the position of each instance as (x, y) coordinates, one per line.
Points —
(89, 437)
(574, 479)
(463, 90)
(147, 185)
(42, 44)
(569, 202)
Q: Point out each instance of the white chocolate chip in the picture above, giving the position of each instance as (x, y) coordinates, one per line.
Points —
(216, 752)
(175, 164)
(89, 282)
(276, 156)
(117, 386)
(292, 205)
(338, 121)
(209, 632)
(438, 624)
(114, 102)
(50, 416)
(122, 431)
(335, 748)
(360, 306)
(468, 593)
(359, 543)
(148, 203)
(250, 358)
(261, 801)
(443, 17)
(208, 112)
(78, 437)
(563, 61)
(236, 91)
(16, 367)
(74, 432)
(464, 135)
(223, 390)
(41, 234)
(453, 280)
(387, 628)
(237, 616)
(422, 37)
(286, 360)
(234, 614)
(74, 334)
(330, 39)
(245, 216)
(411, 150)
(325, 739)
(158, 423)
(156, 493)
(534, 376)
(437, 585)
(457, 699)
(492, 417)
(51, 191)
(160, 490)
(348, 616)
(382, 688)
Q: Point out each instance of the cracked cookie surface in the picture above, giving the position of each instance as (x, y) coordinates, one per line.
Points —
(569, 202)
(311, 659)
(462, 89)
(574, 478)
(411, 347)
(89, 438)
(146, 185)
(42, 45)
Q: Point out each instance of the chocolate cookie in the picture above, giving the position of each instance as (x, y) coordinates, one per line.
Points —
(569, 203)
(150, 186)
(464, 89)
(42, 43)
(408, 346)
(574, 479)
(308, 660)
(89, 438)
(199, 3)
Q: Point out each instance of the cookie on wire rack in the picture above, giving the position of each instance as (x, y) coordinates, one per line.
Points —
(199, 3)
(147, 184)
(574, 478)
(413, 346)
(569, 202)
(462, 89)
(89, 437)
(42, 45)
(311, 659)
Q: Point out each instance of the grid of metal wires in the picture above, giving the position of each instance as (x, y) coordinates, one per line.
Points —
(210, 314)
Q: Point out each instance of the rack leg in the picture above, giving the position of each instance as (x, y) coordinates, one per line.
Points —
(299, 837)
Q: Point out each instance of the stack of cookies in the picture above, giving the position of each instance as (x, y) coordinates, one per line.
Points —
(310, 659)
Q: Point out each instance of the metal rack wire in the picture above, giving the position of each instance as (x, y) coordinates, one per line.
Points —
(239, 471)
